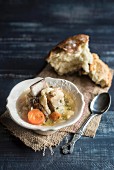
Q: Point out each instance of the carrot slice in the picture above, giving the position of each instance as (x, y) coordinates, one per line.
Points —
(36, 117)
(55, 116)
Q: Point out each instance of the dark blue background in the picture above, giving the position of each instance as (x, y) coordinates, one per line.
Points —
(28, 30)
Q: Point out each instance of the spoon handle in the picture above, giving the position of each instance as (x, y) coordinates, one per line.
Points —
(69, 147)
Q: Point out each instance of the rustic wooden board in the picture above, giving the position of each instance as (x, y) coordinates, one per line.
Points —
(28, 30)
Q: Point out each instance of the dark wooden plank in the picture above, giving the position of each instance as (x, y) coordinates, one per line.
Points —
(88, 152)
(28, 30)
(21, 66)
(60, 12)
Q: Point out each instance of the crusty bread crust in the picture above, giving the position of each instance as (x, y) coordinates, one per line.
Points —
(71, 44)
(100, 72)
(71, 55)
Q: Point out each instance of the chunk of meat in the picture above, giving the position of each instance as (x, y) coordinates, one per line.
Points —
(43, 99)
(56, 100)
(37, 87)
(52, 99)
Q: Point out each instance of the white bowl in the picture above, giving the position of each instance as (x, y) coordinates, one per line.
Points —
(45, 130)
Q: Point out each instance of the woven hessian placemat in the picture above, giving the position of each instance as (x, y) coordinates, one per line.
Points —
(39, 142)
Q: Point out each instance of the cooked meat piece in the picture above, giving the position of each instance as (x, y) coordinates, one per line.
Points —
(50, 106)
(43, 99)
(39, 106)
(52, 99)
(37, 87)
(33, 102)
(56, 100)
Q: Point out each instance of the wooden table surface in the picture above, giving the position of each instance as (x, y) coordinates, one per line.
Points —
(28, 30)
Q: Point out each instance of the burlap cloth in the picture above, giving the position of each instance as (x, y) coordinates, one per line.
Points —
(38, 142)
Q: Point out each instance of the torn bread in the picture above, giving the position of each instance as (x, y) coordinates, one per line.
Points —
(71, 55)
(100, 72)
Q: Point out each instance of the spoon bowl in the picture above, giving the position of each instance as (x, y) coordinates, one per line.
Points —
(100, 104)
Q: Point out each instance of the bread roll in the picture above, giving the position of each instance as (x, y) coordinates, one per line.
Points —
(71, 55)
(100, 72)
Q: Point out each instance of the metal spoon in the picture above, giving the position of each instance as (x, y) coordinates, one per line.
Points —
(99, 105)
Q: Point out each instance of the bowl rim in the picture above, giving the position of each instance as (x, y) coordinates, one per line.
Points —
(26, 125)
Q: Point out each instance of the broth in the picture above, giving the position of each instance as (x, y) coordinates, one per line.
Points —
(23, 108)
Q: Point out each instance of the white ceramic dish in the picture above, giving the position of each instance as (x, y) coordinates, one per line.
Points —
(45, 130)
